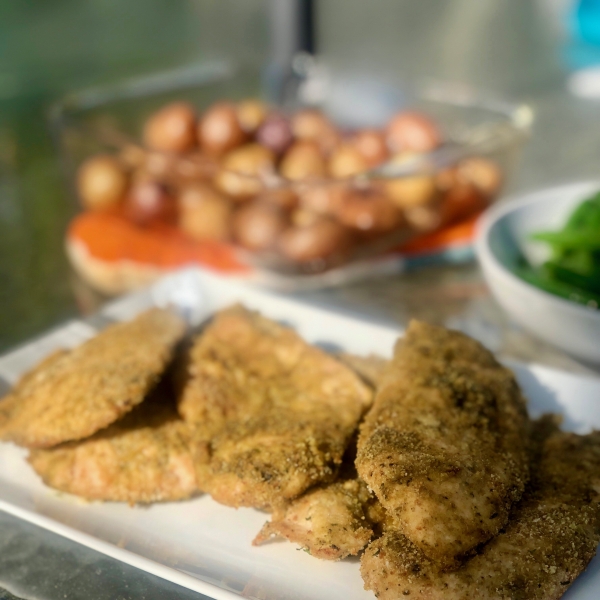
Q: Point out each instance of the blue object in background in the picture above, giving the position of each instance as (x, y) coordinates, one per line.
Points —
(585, 21)
(582, 49)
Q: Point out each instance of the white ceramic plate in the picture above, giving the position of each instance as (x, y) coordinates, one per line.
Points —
(207, 547)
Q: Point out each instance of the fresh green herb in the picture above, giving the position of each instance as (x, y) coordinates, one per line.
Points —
(564, 241)
(573, 272)
(569, 292)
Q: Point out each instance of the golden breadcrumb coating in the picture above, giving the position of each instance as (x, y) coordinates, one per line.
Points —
(88, 388)
(144, 457)
(7, 405)
(444, 447)
(9, 401)
(330, 522)
(228, 365)
(277, 412)
(552, 535)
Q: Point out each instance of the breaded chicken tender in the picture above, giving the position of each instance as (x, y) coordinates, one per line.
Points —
(76, 393)
(277, 413)
(144, 457)
(552, 535)
(444, 447)
(331, 522)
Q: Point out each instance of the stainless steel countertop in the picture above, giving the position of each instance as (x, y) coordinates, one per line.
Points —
(36, 564)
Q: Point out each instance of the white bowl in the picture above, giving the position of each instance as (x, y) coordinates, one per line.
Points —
(503, 235)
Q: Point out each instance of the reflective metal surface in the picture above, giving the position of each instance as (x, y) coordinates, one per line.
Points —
(38, 564)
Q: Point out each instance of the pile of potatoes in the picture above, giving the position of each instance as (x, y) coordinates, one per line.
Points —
(279, 184)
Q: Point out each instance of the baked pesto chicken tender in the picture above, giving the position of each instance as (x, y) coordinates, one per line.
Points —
(330, 522)
(144, 457)
(277, 412)
(75, 393)
(444, 447)
(550, 538)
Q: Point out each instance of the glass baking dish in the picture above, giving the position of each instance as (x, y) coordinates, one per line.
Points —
(475, 129)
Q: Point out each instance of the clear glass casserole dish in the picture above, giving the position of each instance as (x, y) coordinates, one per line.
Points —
(321, 200)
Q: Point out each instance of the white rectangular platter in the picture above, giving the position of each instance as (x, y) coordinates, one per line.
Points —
(207, 547)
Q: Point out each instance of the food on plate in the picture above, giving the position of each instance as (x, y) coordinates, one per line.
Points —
(10, 401)
(40, 369)
(446, 488)
(573, 270)
(330, 522)
(79, 392)
(444, 447)
(279, 412)
(234, 347)
(249, 154)
(144, 457)
(551, 536)
(6, 407)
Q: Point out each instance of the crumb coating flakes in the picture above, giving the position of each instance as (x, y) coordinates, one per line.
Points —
(278, 412)
(445, 445)
(9, 402)
(330, 522)
(76, 393)
(552, 535)
(145, 457)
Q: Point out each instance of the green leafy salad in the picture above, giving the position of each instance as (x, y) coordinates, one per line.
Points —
(573, 271)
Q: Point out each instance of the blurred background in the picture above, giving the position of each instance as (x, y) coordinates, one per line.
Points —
(522, 50)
